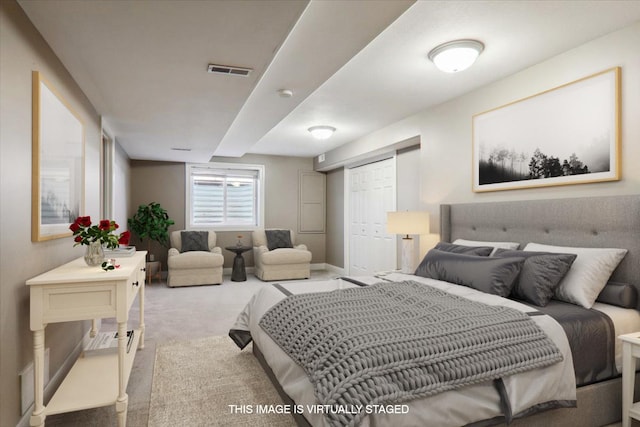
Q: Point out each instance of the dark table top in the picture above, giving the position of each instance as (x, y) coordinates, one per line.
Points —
(238, 249)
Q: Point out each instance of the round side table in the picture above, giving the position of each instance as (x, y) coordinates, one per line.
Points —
(238, 273)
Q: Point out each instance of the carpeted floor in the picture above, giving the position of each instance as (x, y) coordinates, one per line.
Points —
(174, 316)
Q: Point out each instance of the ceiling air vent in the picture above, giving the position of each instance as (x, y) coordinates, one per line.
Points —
(181, 149)
(227, 69)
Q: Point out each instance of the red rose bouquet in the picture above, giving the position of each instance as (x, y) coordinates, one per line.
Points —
(85, 233)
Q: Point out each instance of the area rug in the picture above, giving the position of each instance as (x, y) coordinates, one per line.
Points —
(210, 382)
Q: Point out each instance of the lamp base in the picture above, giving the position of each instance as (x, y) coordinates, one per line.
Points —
(407, 256)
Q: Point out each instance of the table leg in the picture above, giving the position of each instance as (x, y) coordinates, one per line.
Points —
(94, 328)
(238, 273)
(37, 418)
(123, 400)
(628, 382)
(141, 326)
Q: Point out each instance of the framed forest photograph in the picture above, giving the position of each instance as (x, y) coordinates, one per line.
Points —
(566, 135)
(57, 169)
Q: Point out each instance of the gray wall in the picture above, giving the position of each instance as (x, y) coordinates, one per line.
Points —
(160, 182)
(408, 192)
(445, 130)
(335, 218)
(164, 183)
(121, 186)
(22, 50)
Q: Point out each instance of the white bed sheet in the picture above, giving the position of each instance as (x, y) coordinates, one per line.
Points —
(625, 321)
(452, 408)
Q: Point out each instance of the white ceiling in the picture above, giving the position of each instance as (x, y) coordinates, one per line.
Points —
(354, 65)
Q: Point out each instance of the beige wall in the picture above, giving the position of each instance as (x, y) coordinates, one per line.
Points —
(160, 182)
(408, 192)
(445, 130)
(164, 183)
(22, 50)
(121, 197)
(335, 218)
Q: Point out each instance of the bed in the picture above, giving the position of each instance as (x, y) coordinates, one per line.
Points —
(603, 222)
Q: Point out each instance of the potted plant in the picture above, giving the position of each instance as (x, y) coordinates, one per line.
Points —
(151, 222)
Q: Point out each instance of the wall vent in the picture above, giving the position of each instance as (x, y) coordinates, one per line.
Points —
(227, 69)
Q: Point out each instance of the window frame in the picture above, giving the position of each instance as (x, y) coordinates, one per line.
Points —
(260, 169)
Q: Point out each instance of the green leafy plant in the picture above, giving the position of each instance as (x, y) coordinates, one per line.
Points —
(151, 222)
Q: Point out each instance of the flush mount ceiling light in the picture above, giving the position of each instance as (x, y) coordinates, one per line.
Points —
(456, 55)
(285, 93)
(322, 132)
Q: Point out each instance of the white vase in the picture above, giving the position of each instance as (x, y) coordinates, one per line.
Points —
(94, 254)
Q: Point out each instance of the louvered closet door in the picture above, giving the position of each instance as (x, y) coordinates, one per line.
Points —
(372, 195)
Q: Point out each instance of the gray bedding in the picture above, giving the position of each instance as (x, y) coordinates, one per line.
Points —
(507, 398)
(591, 335)
(375, 345)
(591, 338)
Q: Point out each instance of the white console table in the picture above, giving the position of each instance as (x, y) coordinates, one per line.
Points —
(630, 354)
(75, 291)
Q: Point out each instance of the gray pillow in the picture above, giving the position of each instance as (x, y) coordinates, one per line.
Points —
(540, 275)
(620, 294)
(278, 239)
(461, 249)
(490, 275)
(194, 241)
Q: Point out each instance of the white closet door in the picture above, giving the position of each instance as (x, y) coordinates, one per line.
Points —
(382, 201)
(372, 195)
(358, 221)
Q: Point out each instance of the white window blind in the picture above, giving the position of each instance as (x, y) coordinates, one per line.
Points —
(224, 197)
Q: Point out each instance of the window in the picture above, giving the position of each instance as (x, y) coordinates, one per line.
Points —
(225, 196)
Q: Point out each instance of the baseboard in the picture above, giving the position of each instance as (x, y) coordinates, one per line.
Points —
(56, 379)
(319, 266)
(336, 270)
(314, 267)
(227, 270)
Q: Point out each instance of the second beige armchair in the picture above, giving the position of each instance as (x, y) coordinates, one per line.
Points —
(276, 257)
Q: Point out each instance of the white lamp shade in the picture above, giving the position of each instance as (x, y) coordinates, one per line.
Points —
(408, 222)
(456, 56)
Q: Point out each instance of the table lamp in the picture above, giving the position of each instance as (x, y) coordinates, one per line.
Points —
(407, 223)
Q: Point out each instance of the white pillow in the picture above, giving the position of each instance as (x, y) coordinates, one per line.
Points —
(588, 274)
(495, 245)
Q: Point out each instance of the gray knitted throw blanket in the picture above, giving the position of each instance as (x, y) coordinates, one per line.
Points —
(392, 342)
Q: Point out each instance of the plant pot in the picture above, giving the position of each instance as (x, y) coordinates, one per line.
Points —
(94, 254)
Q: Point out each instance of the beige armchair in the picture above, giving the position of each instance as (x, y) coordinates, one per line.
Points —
(281, 263)
(196, 261)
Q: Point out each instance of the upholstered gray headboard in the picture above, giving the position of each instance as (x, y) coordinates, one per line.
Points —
(612, 222)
